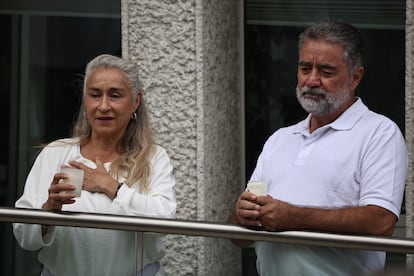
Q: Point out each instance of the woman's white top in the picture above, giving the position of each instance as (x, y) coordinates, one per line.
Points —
(84, 251)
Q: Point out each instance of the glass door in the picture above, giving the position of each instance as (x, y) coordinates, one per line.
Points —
(45, 48)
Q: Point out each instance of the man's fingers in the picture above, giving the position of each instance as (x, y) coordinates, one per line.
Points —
(248, 196)
(248, 216)
(247, 205)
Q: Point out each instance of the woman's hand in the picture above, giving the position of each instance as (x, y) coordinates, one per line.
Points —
(97, 180)
(57, 197)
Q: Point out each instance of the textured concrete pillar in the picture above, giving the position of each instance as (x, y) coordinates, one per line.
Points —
(409, 122)
(189, 53)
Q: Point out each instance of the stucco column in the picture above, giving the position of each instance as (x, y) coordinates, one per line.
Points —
(409, 123)
(189, 53)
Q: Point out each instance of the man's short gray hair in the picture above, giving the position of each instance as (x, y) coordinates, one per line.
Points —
(341, 33)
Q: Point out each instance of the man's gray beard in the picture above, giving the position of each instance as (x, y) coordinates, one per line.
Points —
(329, 103)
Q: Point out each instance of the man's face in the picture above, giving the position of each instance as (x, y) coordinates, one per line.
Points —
(325, 86)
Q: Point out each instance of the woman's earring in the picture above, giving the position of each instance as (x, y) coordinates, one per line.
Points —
(134, 116)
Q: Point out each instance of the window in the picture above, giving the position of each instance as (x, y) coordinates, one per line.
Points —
(46, 45)
(271, 36)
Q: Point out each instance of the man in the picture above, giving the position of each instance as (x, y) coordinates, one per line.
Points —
(340, 170)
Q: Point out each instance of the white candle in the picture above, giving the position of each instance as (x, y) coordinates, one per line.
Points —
(257, 187)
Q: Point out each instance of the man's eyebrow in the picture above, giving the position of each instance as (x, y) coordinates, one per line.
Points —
(327, 66)
(304, 63)
(321, 66)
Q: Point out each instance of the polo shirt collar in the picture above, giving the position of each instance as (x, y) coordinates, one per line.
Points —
(345, 121)
(350, 117)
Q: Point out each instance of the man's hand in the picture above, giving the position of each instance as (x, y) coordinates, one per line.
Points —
(277, 215)
(247, 209)
(274, 215)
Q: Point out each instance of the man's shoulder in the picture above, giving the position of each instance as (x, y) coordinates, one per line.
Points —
(287, 131)
(293, 128)
(377, 120)
(360, 115)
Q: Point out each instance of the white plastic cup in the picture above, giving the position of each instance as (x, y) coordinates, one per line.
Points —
(257, 187)
(75, 178)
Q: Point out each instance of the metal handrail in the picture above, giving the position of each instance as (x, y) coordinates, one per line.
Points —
(201, 228)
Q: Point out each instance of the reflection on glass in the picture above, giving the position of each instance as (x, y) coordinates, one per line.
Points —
(42, 61)
(271, 33)
(271, 63)
(195, 255)
(87, 251)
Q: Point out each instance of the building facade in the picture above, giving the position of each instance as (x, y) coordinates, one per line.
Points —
(193, 64)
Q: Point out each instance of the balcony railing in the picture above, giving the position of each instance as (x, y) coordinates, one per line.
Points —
(202, 228)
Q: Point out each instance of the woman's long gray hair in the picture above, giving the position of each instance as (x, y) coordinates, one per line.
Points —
(137, 144)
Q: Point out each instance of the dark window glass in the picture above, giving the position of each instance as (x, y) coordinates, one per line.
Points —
(271, 35)
(270, 82)
(45, 47)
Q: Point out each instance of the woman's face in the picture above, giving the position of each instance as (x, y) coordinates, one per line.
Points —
(108, 103)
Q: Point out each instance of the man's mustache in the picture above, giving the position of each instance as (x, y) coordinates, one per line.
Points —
(312, 91)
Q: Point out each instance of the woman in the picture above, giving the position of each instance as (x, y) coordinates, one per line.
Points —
(125, 173)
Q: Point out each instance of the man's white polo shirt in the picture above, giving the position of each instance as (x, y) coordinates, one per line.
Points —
(359, 159)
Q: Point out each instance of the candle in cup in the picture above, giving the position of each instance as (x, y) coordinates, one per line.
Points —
(257, 187)
(75, 177)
